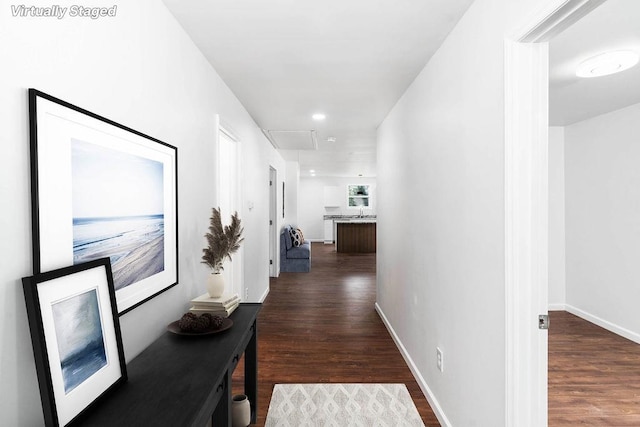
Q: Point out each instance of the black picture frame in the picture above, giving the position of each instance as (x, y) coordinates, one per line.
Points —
(76, 338)
(99, 188)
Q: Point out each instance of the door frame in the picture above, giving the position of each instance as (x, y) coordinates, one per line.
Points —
(526, 85)
(235, 269)
(273, 222)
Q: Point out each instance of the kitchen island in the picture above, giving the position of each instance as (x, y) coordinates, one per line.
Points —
(356, 235)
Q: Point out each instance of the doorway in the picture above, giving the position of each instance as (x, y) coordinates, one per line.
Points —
(592, 273)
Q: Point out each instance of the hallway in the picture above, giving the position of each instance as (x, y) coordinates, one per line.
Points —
(322, 327)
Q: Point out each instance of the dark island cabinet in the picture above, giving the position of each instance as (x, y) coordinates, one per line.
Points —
(356, 237)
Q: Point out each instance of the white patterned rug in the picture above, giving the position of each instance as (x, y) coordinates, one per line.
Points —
(342, 405)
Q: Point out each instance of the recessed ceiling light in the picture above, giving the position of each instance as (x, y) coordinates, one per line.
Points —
(607, 63)
(312, 171)
(318, 116)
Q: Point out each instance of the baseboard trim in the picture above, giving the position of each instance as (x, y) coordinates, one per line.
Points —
(558, 307)
(264, 295)
(431, 398)
(616, 329)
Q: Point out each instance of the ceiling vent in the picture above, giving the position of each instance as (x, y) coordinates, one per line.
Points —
(292, 139)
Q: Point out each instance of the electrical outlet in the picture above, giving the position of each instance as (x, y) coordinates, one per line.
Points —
(439, 359)
(246, 294)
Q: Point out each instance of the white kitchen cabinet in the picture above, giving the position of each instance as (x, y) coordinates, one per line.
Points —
(328, 231)
(333, 196)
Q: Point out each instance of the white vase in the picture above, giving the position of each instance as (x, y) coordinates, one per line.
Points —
(215, 285)
(240, 411)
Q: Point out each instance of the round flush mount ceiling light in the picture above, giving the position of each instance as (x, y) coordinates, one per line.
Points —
(318, 116)
(607, 63)
(331, 139)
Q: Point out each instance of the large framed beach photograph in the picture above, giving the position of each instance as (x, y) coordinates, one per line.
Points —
(100, 189)
(76, 338)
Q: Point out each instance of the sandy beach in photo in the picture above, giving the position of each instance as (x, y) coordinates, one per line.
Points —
(135, 245)
(143, 261)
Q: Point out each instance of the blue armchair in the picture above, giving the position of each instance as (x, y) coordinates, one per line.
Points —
(294, 259)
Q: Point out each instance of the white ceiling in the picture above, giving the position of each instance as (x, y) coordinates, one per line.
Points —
(349, 59)
(615, 25)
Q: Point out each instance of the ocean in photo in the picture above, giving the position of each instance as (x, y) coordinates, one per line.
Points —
(78, 367)
(135, 245)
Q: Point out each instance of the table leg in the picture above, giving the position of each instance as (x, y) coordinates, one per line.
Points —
(251, 372)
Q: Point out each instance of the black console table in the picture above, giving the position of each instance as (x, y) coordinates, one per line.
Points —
(185, 381)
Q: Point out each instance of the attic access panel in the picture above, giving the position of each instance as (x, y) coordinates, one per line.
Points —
(292, 139)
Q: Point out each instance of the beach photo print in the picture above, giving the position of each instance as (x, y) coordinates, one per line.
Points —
(100, 189)
(118, 211)
(76, 338)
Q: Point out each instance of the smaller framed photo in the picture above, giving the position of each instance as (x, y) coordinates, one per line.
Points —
(75, 332)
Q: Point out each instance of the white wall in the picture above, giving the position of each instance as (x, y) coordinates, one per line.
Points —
(292, 189)
(311, 205)
(141, 70)
(557, 287)
(441, 269)
(603, 219)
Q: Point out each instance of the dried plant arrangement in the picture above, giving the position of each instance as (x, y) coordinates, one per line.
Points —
(222, 241)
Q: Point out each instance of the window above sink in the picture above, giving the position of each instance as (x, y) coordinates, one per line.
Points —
(358, 196)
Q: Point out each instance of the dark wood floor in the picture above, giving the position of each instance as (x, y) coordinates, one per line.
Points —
(594, 375)
(322, 327)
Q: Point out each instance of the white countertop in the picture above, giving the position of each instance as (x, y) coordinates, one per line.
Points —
(355, 220)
